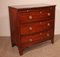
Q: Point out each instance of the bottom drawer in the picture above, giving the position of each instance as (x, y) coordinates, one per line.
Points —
(42, 36)
(34, 39)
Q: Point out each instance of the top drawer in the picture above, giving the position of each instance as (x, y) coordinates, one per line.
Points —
(31, 15)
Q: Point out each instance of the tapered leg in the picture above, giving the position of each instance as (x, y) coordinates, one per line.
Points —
(21, 51)
(12, 43)
(52, 40)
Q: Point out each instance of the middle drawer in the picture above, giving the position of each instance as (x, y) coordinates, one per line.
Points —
(35, 27)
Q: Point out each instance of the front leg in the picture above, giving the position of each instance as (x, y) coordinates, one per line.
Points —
(20, 50)
(52, 40)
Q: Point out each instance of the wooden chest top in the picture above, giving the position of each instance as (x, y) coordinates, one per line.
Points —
(31, 6)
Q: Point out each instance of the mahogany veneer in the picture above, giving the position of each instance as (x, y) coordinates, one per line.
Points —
(31, 24)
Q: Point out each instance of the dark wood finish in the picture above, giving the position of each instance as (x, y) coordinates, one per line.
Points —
(31, 25)
(38, 36)
(25, 29)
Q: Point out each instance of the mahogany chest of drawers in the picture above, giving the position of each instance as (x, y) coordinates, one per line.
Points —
(31, 24)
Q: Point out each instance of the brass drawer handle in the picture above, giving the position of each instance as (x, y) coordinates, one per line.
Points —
(27, 10)
(49, 14)
(30, 17)
(50, 7)
(40, 22)
(48, 24)
(30, 40)
(40, 33)
(48, 34)
(30, 28)
(40, 12)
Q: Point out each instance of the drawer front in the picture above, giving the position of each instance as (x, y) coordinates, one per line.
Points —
(43, 13)
(42, 36)
(36, 27)
(36, 14)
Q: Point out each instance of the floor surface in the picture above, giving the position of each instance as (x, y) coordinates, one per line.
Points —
(45, 49)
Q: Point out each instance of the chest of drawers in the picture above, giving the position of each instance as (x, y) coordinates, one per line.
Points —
(31, 25)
